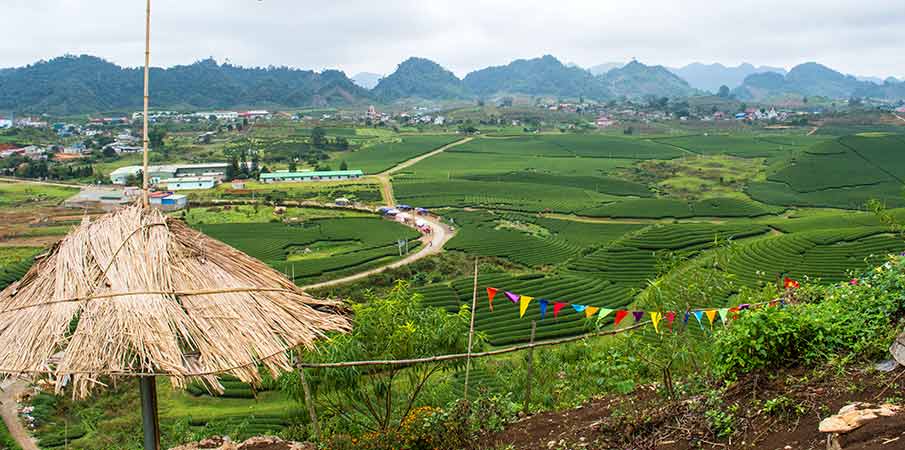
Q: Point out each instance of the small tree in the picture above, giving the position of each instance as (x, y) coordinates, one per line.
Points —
(318, 137)
(396, 326)
(343, 165)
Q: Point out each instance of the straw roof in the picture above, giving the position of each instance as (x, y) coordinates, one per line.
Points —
(136, 293)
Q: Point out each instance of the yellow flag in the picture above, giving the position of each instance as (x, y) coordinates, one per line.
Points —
(590, 311)
(655, 319)
(711, 314)
(523, 305)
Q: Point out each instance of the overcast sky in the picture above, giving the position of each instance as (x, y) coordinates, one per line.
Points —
(863, 37)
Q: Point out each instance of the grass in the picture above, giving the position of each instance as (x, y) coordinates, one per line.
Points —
(16, 194)
(363, 191)
(260, 214)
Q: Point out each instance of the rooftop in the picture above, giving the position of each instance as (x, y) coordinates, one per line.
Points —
(312, 173)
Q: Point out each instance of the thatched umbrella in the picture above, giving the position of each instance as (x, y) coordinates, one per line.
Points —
(137, 294)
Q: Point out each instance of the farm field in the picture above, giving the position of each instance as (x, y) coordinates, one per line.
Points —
(317, 249)
(362, 191)
(382, 156)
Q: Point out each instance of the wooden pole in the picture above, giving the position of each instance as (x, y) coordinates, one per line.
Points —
(530, 372)
(474, 304)
(144, 181)
(312, 413)
(149, 418)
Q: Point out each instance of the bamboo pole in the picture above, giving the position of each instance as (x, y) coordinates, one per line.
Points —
(312, 413)
(530, 370)
(474, 303)
(144, 182)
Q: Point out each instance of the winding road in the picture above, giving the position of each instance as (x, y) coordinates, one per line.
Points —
(9, 390)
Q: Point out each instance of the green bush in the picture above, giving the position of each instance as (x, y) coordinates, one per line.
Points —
(851, 321)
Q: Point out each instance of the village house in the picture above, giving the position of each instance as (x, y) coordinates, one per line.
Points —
(278, 177)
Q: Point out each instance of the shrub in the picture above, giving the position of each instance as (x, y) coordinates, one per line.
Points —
(849, 321)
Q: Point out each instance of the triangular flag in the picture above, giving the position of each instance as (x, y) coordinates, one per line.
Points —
(543, 308)
(670, 317)
(523, 305)
(556, 307)
(699, 315)
(512, 297)
(743, 306)
(773, 303)
(789, 283)
(604, 312)
(724, 315)
(590, 311)
(733, 312)
(687, 316)
(491, 292)
(655, 318)
(711, 314)
(619, 316)
(638, 315)
(579, 308)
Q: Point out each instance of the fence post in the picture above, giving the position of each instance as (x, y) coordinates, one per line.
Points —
(474, 304)
(530, 374)
(308, 401)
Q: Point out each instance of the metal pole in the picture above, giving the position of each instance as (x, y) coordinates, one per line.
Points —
(144, 182)
(149, 420)
(312, 413)
(474, 303)
(530, 373)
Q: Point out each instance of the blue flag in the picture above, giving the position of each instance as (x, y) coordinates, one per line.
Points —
(543, 308)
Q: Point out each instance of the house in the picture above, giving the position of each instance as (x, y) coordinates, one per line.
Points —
(168, 201)
(604, 122)
(158, 173)
(238, 184)
(6, 123)
(277, 177)
(188, 183)
(900, 109)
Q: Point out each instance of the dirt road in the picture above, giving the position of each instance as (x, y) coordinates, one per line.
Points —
(430, 245)
(9, 390)
(45, 183)
(386, 186)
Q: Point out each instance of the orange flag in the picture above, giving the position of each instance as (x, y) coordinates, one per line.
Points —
(590, 311)
(711, 315)
(491, 292)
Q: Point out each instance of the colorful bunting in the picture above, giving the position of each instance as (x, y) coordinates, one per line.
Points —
(491, 292)
(512, 297)
(789, 283)
(556, 307)
(579, 308)
(670, 317)
(590, 311)
(604, 312)
(619, 316)
(724, 315)
(523, 305)
(543, 308)
(711, 314)
(687, 316)
(699, 315)
(638, 315)
(655, 318)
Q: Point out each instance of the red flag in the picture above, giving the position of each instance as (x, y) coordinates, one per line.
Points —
(670, 317)
(734, 311)
(619, 316)
(491, 292)
(790, 283)
(556, 307)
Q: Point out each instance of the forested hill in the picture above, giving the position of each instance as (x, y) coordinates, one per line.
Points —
(83, 84)
(813, 79)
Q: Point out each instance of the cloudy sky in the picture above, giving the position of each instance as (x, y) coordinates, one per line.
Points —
(863, 37)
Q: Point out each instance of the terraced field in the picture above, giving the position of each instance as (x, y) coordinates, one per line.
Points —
(741, 146)
(573, 145)
(663, 207)
(14, 263)
(825, 254)
(356, 244)
(528, 240)
(380, 157)
(503, 326)
(845, 173)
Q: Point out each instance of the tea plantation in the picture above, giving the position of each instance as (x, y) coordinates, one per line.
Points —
(318, 248)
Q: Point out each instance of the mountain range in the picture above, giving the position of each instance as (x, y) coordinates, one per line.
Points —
(86, 84)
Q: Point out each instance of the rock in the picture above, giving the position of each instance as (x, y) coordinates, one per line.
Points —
(848, 408)
(859, 417)
(897, 349)
(834, 424)
(887, 366)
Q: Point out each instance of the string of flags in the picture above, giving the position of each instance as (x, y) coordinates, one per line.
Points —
(656, 317)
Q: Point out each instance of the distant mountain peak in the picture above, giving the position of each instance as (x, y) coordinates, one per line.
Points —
(420, 78)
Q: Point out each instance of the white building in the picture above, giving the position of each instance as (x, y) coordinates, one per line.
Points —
(6, 123)
(188, 183)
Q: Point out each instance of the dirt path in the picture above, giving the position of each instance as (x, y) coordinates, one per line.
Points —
(587, 219)
(386, 185)
(899, 117)
(430, 245)
(813, 130)
(9, 390)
